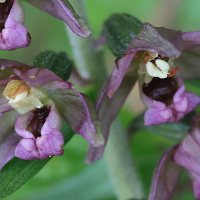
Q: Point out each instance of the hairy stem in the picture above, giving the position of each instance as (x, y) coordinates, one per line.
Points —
(88, 61)
(120, 164)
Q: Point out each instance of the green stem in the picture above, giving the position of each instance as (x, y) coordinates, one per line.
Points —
(119, 161)
(120, 164)
(89, 62)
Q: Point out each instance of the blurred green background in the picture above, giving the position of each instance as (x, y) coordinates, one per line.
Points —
(67, 177)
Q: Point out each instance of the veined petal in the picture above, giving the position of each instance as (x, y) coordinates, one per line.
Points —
(191, 39)
(63, 10)
(188, 152)
(77, 110)
(165, 177)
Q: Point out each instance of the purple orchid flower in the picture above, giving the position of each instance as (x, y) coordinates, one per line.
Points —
(150, 54)
(13, 34)
(32, 104)
(172, 104)
(187, 155)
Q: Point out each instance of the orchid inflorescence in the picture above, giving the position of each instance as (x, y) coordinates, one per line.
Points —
(33, 101)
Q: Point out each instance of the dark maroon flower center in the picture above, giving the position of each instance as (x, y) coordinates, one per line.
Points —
(38, 120)
(4, 12)
(161, 89)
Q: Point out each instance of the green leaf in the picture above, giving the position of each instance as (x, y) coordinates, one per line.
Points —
(174, 131)
(59, 63)
(17, 172)
(119, 29)
(91, 183)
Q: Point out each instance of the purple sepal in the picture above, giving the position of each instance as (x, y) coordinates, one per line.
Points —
(107, 110)
(158, 113)
(188, 152)
(165, 42)
(9, 139)
(191, 39)
(165, 177)
(64, 11)
(77, 110)
(14, 35)
(37, 76)
(50, 142)
(7, 148)
(118, 73)
(9, 63)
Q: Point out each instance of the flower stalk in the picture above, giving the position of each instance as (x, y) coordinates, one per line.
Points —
(121, 166)
(91, 66)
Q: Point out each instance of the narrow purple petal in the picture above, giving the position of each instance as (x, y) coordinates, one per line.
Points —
(165, 177)
(63, 10)
(165, 42)
(37, 76)
(77, 110)
(107, 110)
(14, 35)
(119, 72)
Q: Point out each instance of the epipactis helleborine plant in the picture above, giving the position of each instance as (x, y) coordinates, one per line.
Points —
(13, 34)
(151, 55)
(35, 99)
